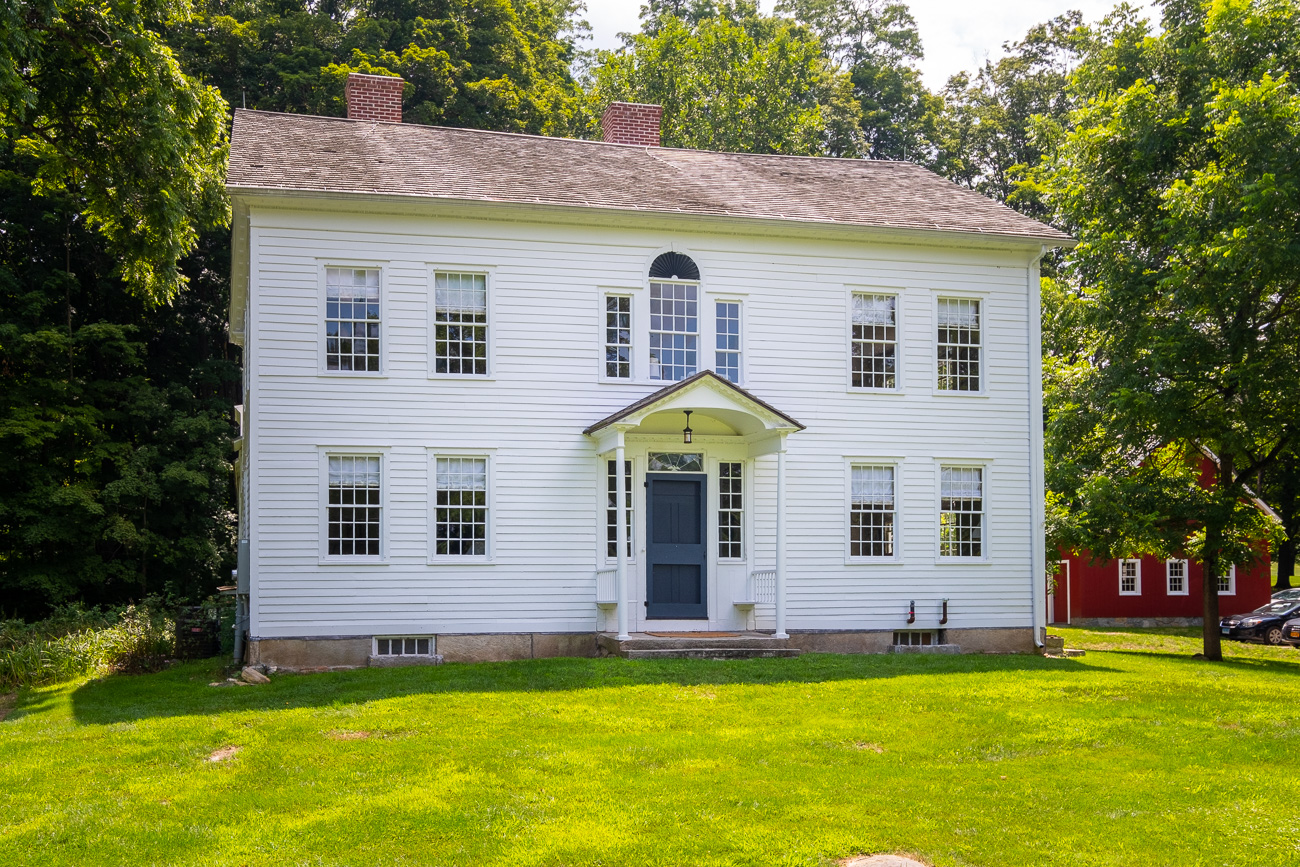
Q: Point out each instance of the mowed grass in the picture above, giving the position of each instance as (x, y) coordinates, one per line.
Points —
(1134, 754)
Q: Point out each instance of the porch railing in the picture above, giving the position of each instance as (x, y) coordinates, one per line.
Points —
(759, 588)
(606, 586)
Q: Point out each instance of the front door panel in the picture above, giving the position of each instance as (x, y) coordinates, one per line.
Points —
(676, 547)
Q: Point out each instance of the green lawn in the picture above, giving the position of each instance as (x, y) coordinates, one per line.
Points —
(1134, 754)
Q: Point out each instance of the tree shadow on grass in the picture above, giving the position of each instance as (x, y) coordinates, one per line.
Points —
(1242, 664)
(184, 690)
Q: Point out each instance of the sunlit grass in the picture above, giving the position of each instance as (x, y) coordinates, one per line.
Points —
(1133, 755)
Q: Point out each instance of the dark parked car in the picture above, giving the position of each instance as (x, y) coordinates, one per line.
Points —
(1289, 593)
(1263, 625)
(1291, 633)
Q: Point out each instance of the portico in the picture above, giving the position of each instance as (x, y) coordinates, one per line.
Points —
(691, 560)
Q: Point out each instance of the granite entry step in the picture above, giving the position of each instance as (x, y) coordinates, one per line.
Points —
(696, 645)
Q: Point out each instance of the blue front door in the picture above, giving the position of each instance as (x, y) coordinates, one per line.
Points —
(676, 547)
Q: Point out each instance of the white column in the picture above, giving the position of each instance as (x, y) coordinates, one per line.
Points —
(780, 542)
(620, 537)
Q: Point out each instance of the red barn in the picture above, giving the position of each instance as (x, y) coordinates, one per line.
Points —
(1149, 591)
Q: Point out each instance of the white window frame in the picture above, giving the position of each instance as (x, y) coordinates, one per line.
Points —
(899, 354)
(431, 319)
(1232, 582)
(743, 351)
(958, 295)
(322, 357)
(702, 336)
(432, 639)
(633, 364)
(746, 505)
(433, 557)
(986, 540)
(1137, 577)
(324, 453)
(896, 464)
(1169, 591)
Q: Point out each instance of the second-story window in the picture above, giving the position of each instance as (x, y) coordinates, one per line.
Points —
(674, 317)
(352, 319)
(959, 344)
(727, 329)
(875, 341)
(460, 324)
(618, 336)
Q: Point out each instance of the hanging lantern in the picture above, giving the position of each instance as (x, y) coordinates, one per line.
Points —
(686, 431)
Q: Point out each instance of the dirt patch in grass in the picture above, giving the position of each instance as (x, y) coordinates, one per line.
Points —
(7, 703)
(223, 754)
(348, 736)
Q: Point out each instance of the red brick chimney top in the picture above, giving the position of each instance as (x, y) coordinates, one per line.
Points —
(631, 123)
(374, 97)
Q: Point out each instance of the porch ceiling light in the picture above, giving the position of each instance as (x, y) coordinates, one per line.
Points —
(686, 431)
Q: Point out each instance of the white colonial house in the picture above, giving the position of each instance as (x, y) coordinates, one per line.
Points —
(512, 396)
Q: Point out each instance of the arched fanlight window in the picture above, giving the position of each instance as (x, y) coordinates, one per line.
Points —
(674, 266)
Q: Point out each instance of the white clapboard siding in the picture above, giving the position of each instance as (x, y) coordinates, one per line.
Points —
(547, 284)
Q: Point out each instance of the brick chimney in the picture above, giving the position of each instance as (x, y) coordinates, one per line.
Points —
(374, 97)
(631, 123)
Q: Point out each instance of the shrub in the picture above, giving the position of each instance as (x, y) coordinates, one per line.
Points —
(76, 641)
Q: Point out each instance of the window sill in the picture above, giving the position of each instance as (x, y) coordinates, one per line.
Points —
(467, 560)
(462, 377)
(858, 390)
(873, 561)
(1130, 593)
(352, 374)
(352, 561)
(937, 392)
(962, 561)
(1176, 593)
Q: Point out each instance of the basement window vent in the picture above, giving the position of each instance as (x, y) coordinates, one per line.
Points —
(403, 646)
(915, 639)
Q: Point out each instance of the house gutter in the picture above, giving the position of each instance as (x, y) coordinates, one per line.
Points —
(1037, 485)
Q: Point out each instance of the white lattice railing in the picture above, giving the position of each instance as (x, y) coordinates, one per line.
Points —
(606, 586)
(759, 588)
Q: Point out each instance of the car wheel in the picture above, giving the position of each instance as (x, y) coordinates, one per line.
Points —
(1273, 636)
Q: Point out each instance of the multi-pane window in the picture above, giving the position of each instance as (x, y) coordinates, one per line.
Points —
(1228, 582)
(875, 341)
(352, 319)
(1176, 577)
(354, 506)
(959, 344)
(961, 512)
(460, 324)
(404, 646)
(727, 363)
(618, 336)
(731, 510)
(462, 510)
(1130, 577)
(611, 507)
(674, 330)
(871, 512)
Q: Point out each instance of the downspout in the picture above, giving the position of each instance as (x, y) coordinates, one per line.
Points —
(1037, 486)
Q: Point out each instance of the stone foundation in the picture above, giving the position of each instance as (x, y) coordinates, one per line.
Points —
(354, 651)
(1138, 622)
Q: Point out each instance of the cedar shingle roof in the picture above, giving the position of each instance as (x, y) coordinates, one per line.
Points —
(274, 151)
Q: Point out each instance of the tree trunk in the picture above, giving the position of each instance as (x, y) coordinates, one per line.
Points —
(1285, 563)
(1210, 565)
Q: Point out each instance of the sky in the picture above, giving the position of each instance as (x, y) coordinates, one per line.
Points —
(956, 34)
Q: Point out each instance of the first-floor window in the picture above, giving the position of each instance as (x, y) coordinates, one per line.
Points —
(462, 508)
(460, 324)
(961, 512)
(731, 510)
(611, 506)
(871, 512)
(1176, 577)
(354, 506)
(1130, 577)
(618, 336)
(1228, 582)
